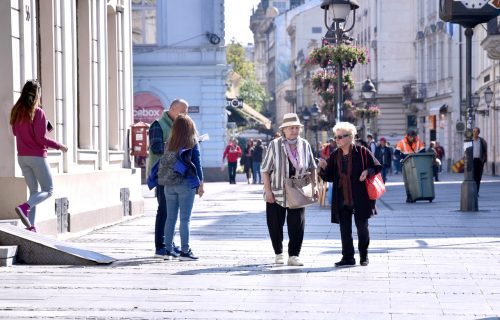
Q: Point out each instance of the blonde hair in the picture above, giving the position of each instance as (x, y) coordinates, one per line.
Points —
(347, 127)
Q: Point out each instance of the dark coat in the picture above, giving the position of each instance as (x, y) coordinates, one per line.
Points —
(386, 158)
(363, 206)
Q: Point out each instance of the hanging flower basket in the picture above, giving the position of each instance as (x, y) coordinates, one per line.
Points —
(359, 112)
(323, 80)
(373, 111)
(348, 105)
(347, 55)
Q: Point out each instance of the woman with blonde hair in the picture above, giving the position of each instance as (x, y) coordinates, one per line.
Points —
(287, 156)
(30, 127)
(181, 174)
(348, 167)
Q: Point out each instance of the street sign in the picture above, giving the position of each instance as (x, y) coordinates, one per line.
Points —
(234, 102)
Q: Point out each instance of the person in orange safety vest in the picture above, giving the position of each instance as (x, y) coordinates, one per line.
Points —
(408, 145)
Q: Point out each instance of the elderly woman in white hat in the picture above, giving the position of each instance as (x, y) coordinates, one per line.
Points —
(287, 156)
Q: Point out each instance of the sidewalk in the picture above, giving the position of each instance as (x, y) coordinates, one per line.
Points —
(427, 261)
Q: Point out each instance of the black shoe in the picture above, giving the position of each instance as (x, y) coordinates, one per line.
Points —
(364, 261)
(408, 200)
(344, 263)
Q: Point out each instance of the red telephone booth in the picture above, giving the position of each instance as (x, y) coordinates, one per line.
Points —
(139, 139)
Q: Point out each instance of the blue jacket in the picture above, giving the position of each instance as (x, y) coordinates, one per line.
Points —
(188, 164)
(152, 180)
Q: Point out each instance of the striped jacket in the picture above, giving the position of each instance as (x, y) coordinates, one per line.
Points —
(276, 163)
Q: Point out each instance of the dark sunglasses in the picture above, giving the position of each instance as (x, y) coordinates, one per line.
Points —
(342, 136)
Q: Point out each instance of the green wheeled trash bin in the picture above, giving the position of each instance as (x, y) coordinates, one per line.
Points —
(418, 176)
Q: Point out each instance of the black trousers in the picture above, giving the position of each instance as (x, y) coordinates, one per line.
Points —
(346, 234)
(478, 171)
(161, 218)
(295, 221)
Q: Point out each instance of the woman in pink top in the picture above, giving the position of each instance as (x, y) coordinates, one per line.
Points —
(30, 128)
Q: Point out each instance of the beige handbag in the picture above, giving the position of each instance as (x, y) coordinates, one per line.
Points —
(298, 192)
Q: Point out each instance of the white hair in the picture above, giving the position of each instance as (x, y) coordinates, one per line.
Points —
(346, 127)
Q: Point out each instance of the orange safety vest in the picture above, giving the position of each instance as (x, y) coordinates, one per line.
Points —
(406, 148)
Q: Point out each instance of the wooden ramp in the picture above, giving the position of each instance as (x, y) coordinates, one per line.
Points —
(34, 248)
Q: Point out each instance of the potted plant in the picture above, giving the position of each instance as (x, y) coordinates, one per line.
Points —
(347, 55)
(321, 80)
(321, 55)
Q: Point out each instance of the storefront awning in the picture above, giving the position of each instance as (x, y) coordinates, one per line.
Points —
(256, 116)
(437, 109)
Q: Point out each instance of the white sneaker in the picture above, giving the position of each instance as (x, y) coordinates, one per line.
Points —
(279, 259)
(294, 261)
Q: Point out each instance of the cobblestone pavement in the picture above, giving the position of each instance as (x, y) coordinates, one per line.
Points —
(427, 261)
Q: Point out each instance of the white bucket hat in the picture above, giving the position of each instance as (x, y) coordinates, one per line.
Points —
(290, 119)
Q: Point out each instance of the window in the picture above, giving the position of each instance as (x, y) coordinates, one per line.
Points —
(317, 30)
(144, 21)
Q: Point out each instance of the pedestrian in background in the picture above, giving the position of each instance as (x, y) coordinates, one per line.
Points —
(246, 160)
(159, 133)
(480, 156)
(347, 168)
(30, 127)
(384, 155)
(328, 148)
(372, 145)
(232, 153)
(440, 155)
(287, 156)
(257, 152)
(181, 175)
(435, 161)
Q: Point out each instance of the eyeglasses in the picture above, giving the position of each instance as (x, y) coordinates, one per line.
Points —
(342, 136)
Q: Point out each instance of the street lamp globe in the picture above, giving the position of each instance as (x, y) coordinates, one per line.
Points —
(368, 90)
(475, 100)
(488, 96)
(339, 9)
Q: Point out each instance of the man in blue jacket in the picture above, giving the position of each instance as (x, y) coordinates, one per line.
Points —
(159, 132)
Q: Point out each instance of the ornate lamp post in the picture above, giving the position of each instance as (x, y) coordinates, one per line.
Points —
(468, 14)
(339, 11)
(368, 93)
(488, 98)
(315, 117)
(306, 115)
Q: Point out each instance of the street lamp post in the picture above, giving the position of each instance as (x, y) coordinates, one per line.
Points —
(306, 115)
(339, 12)
(468, 14)
(315, 116)
(368, 93)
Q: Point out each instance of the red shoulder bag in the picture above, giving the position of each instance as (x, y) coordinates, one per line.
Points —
(375, 184)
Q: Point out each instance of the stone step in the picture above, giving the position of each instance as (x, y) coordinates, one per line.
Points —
(7, 255)
(35, 248)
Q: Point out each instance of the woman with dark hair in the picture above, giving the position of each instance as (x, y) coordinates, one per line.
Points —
(348, 167)
(30, 127)
(181, 174)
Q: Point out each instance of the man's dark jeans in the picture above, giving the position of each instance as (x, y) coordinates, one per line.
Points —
(161, 218)
(231, 168)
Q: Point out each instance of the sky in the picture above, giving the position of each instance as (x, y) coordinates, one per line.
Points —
(237, 15)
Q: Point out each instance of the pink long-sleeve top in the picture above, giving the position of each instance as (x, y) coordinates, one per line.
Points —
(32, 138)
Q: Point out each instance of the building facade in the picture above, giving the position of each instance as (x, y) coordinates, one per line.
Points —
(81, 53)
(179, 53)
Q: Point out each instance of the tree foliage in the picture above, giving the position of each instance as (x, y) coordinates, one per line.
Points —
(253, 94)
(249, 89)
(235, 55)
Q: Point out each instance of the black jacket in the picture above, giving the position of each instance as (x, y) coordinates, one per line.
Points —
(386, 158)
(363, 206)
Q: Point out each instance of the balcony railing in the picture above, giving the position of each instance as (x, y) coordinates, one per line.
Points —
(414, 92)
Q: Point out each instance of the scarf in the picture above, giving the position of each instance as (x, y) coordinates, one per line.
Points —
(345, 178)
(295, 156)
